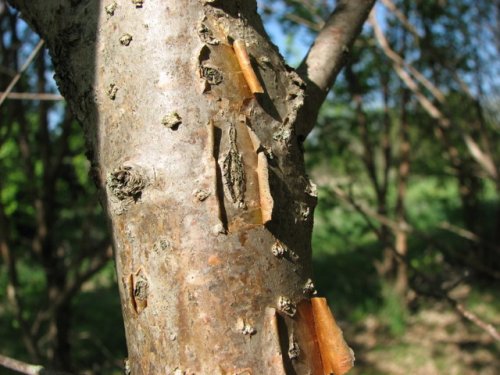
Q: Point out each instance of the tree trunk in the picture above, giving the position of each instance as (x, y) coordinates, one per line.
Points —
(173, 130)
(202, 176)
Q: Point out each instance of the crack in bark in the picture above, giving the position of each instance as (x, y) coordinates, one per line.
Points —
(234, 171)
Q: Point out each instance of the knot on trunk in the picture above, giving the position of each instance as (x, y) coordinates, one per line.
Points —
(127, 182)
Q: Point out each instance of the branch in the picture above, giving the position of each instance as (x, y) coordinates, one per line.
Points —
(396, 227)
(327, 55)
(26, 368)
(401, 17)
(302, 21)
(21, 367)
(470, 316)
(400, 62)
(27, 63)
(480, 157)
(32, 96)
(484, 160)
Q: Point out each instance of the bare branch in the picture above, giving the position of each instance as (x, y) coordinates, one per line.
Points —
(389, 4)
(401, 17)
(438, 94)
(328, 54)
(443, 121)
(314, 11)
(302, 21)
(32, 96)
(27, 63)
(369, 212)
(21, 367)
(26, 368)
(469, 315)
(311, 7)
(480, 157)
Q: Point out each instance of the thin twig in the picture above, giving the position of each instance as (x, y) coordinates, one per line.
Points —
(18, 366)
(391, 54)
(21, 71)
(394, 226)
(27, 368)
(470, 316)
(461, 232)
(32, 96)
(315, 26)
(404, 227)
(401, 17)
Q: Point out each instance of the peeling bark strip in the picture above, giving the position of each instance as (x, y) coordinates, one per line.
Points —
(305, 333)
(244, 170)
(336, 356)
(266, 199)
(293, 347)
(271, 348)
(246, 67)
